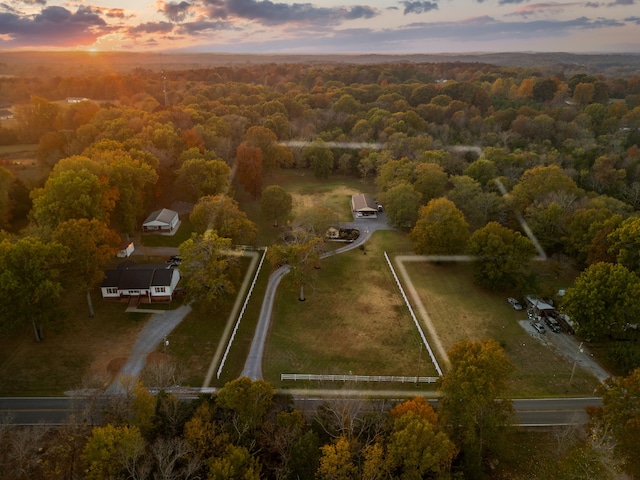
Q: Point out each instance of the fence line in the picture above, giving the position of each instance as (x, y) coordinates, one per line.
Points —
(413, 315)
(244, 307)
(357, 378)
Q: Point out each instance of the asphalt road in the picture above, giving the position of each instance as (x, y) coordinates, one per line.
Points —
(57, 410)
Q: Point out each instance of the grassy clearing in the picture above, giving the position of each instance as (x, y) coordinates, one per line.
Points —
(353, 320)
(461, 310)
(6, 150)
(307, 191)
(76, 350)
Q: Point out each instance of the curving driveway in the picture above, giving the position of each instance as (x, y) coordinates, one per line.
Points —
(253, 365)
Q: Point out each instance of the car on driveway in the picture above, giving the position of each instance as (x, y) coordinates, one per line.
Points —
(175, 261)
(538, 326)
(553, 324)
(514, 303)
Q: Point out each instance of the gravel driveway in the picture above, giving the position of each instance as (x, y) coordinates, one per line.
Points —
(567, 346)
(154, 331)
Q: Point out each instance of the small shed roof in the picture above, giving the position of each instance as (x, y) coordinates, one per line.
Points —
(163, 216)
(539, 304)
(363, 203)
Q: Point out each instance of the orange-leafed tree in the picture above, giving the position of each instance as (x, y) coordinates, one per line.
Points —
(249, 164)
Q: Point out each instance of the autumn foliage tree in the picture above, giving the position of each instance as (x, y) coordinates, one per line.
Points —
(249, 169)
(72, 194)
(502, 256)
(30, 282)
(603, 301)
(440, 230)
(209, 267)
(617, 421)
(222, 214)
(473, 405)
(199, 177)
(276, 203)
(91, 245)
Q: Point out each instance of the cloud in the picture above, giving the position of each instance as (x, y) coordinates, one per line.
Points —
(418, 7)
(176, 12)
(53, 27)
(151, 27)
(593, 4)
(625, 3)
(509, 2)
(8, 8)
(472, 34)
(266, 12)
(115, 13)
(201, 27)
(635, 20)
(541, 8)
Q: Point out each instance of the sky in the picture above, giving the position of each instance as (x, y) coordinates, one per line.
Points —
(321, 26)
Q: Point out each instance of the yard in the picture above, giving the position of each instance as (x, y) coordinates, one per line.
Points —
(460, 310)
(353, 321)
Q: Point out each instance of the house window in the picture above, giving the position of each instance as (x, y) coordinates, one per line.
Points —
(161, 289)
(112, 290)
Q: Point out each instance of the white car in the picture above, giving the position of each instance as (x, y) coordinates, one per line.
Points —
(514, 303)
(538, 326)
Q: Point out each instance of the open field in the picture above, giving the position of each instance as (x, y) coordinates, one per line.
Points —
(307, 191)
(353, 321)
(461, 310)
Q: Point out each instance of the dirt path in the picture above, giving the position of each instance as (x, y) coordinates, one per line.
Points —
(417, 303)
(255, 256)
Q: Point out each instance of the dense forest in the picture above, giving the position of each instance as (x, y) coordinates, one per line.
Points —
(462, 155)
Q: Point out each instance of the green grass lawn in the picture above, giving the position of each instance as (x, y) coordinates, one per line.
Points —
(353, 320)
(77, 350)
(183, 233)
(334, 193)
(461, 310)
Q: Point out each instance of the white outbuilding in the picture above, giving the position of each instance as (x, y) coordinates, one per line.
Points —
(161, 221)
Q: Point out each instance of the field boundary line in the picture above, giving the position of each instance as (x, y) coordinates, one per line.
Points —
(358, 378)
(415, 319)
(216, 357)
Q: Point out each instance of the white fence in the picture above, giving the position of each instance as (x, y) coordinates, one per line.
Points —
(357, 378)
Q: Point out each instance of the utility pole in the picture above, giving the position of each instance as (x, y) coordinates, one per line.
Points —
(573, 370)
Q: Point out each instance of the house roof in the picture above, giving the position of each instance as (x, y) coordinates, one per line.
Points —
(135, 279)
(162, 278)
(111, 279)
(163, 216)
(363, 203)
(133, 276)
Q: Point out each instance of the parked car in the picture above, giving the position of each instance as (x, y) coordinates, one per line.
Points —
(514, 303)
(174, 261)
(538, 326)
(553, 324)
